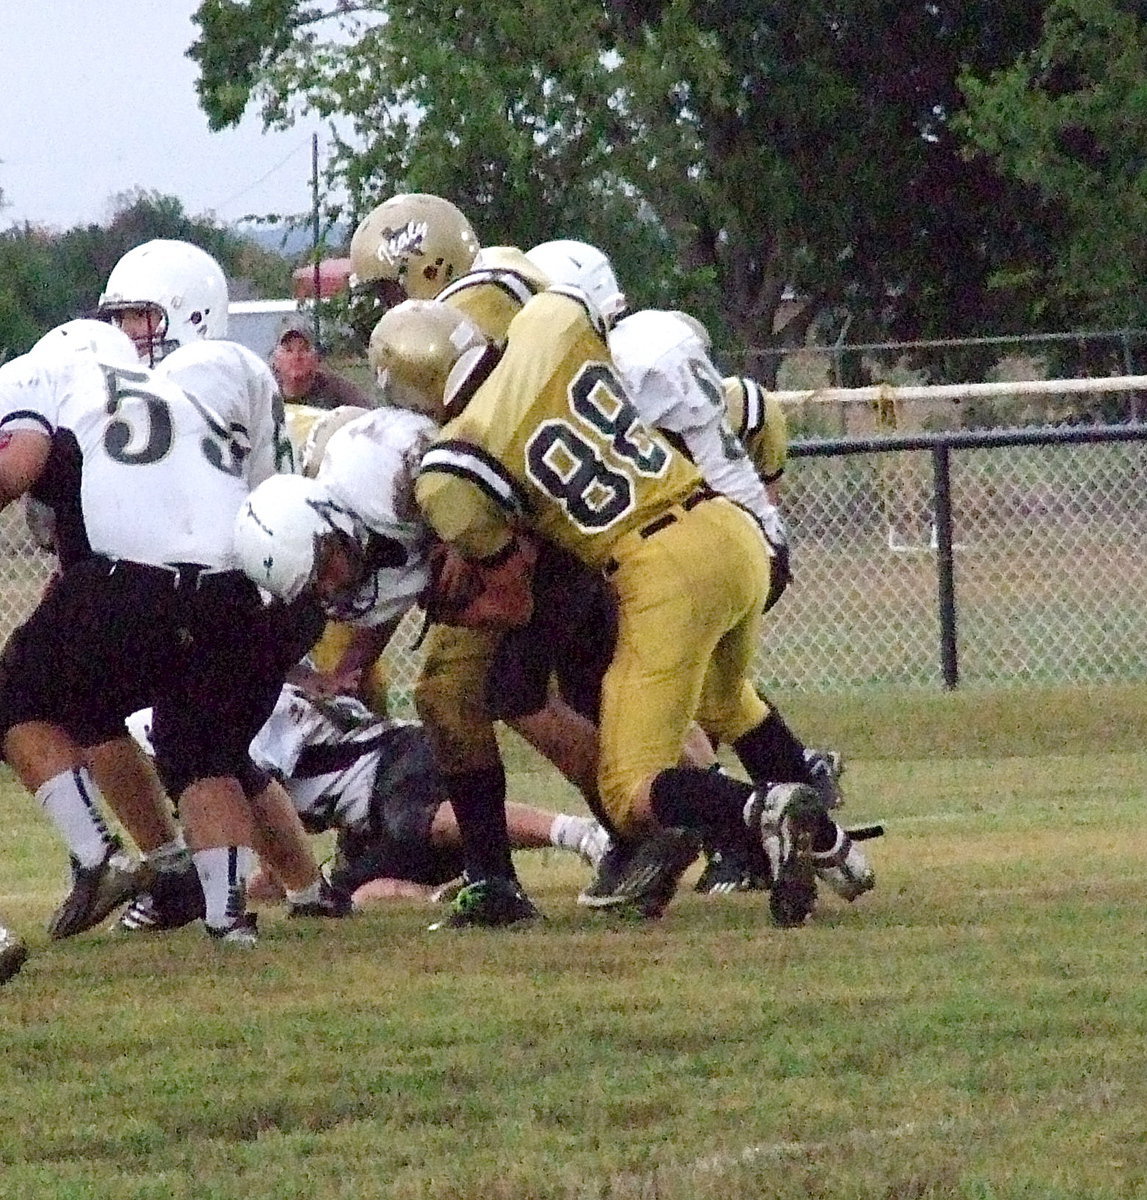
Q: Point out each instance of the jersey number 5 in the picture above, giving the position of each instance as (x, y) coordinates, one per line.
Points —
(147, 437)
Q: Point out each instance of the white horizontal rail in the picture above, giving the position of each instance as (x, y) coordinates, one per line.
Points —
(875, 393)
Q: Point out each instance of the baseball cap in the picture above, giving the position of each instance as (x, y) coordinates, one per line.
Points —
(295, 326)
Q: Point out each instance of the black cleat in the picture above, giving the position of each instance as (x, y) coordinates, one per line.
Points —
(786, 818)
(96, 891)
(242, 931)
(174, 899)
(489, 903)
(642, 876)
(13, 954)
(729, 871)
(331, 903)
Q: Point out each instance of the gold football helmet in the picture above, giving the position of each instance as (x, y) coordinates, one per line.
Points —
(413, 349)
(419, 241)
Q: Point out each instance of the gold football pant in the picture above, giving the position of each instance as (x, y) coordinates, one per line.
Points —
(450, 697)
(690, 596)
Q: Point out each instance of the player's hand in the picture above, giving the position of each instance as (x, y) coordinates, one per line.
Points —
(479, 595)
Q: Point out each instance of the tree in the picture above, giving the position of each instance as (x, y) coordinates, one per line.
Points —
(52, 277)
(1068, 120)
(722, 153)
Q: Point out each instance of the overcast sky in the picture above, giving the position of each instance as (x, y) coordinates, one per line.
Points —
(97, 99)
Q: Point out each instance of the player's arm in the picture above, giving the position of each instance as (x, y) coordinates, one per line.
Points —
(345, 677)
(23, 456)
(482, 575)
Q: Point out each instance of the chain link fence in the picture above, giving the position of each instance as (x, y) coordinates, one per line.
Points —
(1048, 569)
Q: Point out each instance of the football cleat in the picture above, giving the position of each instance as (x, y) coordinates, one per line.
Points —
(489, 903)
(331, 903)
(243, 931)
(13, 954)
(825, 767)
(96, 891)
(727, 871)
(641, 877)
(786, 818)
(844, 868)
(173, 899)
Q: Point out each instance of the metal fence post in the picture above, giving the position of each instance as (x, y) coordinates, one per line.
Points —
(945, 565)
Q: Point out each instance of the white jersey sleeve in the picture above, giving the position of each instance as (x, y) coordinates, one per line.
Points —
(327, 755)
(32, 388)
(369, 466)
(675, 387)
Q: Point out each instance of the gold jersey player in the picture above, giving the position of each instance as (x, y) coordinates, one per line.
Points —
(539, 435)
(420, 246)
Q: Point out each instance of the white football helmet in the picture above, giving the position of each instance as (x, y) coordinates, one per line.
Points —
(281, 529)
(583, 266)
(85, 335)
(182, 286)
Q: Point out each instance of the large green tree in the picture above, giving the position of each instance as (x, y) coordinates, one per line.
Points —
(1068, 120)
(721, 151)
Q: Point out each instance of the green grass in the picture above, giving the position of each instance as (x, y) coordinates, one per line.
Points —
(974, 1028)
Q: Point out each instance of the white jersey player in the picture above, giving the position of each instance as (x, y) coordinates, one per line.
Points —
(352, 536)
(146, 479)
(161, 473)
(666, 369)
(663, 360)
(376, 782)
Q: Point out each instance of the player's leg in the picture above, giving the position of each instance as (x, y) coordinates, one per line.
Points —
(801, 839)
(281, 842)
(52, 766)
(450, 697)
(63, 685)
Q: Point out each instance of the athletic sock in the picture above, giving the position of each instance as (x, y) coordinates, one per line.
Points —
(223, 872)
(478, 799)
(709, 802)
(567, 831)
(772, 753)
(75, 806)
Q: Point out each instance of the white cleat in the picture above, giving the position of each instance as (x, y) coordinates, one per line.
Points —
(844, 868)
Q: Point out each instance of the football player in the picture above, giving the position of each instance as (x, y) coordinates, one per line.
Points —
(662, 357)
(339, 661)
(375, 781)
(148, 608)
(540, 434)
(423, 246)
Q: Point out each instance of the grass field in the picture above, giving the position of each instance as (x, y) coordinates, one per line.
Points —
(974, 1028)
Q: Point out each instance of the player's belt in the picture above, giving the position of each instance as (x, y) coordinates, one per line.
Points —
(190, 576)
(701, 494)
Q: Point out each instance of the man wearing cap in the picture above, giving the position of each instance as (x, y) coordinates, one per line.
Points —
(302, 376)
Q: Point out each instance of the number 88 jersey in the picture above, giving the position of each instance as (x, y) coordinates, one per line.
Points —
(551, 439)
